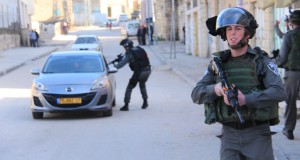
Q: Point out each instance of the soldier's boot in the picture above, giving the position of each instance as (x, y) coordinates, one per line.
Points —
(125, 107)
(145, 104)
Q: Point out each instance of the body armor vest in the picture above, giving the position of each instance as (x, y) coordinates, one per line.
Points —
(243, 73)
(293, 62)
(140, 57)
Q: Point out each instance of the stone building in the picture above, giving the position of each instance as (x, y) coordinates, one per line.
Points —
(49, 16)
(89, 12)
(14, 23)
(197, 12)
(163, 16)
(193, 14)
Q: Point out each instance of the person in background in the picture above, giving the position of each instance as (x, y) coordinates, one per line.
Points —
(183, 30)
(140, 34)
(65, 28)
(32, 37)
(151, 33)
(289, 59)
(256, 89)
(37, 38)
(144, 32)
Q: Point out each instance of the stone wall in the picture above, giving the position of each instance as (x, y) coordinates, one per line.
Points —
(163, 14)
(9, 41)
(10, 24)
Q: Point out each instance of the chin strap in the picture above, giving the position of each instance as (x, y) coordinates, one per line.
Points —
(241, 44)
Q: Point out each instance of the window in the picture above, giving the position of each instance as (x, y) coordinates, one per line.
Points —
(195, 3)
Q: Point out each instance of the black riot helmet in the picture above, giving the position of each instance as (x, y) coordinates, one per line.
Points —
(235, 16)
(127, 43)
(295, 16)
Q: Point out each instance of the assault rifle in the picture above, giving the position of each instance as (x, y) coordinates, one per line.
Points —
(275, 53)
(118, 59)
(230, 91)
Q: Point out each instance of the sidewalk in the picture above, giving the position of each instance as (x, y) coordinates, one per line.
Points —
(14, 58)
(192, 68)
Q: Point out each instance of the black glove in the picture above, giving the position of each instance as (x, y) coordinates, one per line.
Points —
(275, 53)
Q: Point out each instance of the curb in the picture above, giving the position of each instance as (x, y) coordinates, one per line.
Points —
(6, 71)
(176, 71)
(2, 73)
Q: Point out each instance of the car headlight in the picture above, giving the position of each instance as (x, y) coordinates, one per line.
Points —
(102, 83)
(39, 86)
(93, 48)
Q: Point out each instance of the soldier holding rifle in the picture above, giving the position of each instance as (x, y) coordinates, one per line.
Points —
(247, 104)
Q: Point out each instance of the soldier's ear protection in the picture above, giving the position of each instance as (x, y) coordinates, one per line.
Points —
(211, 25)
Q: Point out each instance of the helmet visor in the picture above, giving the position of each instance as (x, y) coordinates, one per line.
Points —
(232, 16)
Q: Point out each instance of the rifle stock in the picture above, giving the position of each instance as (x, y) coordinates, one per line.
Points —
(230, 91)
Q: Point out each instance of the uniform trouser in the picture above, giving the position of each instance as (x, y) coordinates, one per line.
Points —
(292, 84)
(254, 143)
(140, 40)
(137, 77)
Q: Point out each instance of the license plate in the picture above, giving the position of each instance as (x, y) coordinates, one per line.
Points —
(69, 101)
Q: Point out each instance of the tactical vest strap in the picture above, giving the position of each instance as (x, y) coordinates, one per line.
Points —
(260, 71)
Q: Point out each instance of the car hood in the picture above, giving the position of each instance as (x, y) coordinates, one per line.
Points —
(70, 78)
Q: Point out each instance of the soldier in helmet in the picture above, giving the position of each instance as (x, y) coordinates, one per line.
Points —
(289, 58)
(257, 89)
(140, 65)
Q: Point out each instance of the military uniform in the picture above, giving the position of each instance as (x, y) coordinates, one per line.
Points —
(141, 72)
(289, 58)
(258, 79)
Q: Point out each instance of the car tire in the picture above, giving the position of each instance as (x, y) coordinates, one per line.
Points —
(37, 115)
(108, 113)
(114, 102)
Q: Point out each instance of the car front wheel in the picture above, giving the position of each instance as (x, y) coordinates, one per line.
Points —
(114, 102)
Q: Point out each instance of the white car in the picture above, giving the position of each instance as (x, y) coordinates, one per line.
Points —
(87, 42)
(130, 28)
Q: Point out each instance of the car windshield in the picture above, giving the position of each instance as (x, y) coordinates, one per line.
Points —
(83, 40)
(73, 64)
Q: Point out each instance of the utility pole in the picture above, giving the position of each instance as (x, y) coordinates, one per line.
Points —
(149, 20)
(172, 34)
(87, 12)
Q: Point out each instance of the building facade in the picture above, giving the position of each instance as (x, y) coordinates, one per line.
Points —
(14, 23)
(265, 12)
(192, 14)
(49, 17)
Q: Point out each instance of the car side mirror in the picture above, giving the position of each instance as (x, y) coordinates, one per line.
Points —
(35, 71)
(112, 69)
